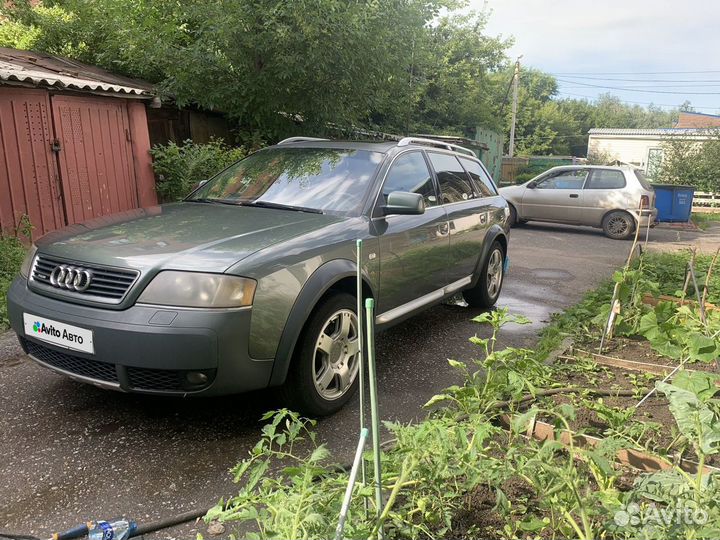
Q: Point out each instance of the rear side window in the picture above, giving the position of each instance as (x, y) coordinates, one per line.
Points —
(454, 182)
(410, 173)
(481, 178)
(606, 179)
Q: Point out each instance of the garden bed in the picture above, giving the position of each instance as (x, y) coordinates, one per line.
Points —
(530, 445)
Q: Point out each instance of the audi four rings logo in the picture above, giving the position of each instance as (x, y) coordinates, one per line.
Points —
(71, 278)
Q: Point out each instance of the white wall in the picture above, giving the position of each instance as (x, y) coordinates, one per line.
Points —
(626, 148)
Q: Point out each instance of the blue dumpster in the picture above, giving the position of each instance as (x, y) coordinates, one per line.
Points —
(673, 203)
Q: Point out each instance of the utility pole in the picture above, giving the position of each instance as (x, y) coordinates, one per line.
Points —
(516, 79)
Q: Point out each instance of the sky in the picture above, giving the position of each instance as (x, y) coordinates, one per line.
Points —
(588, 44)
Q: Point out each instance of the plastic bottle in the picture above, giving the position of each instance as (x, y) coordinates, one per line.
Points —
(116, 529)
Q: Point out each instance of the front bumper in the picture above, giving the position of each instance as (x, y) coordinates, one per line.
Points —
(147, 349)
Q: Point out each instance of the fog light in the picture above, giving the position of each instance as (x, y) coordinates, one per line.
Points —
(196, 377)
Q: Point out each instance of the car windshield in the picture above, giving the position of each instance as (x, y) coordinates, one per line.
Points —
(316, 179)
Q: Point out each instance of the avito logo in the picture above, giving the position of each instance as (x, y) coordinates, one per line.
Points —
(45, 329)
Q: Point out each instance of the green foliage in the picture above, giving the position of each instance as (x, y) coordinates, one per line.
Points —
(179, 168)
(12, 252)
(280, 68)
(692, 162)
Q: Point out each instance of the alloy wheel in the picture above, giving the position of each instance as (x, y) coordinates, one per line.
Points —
(617, 226)
(494, 273)
(336, 357)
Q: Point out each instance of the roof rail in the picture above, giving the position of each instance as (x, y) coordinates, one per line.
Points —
(301, 139)
(438, 144)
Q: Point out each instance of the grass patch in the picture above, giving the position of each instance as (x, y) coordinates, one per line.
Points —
(704, 219)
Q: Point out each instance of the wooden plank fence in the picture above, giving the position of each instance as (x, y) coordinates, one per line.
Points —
(704, 201)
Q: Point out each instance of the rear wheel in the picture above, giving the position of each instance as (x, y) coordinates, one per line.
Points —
(618, 225)
(487, 290)
(323, 373)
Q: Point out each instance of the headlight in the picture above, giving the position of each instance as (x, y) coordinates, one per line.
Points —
(191, 289)
(27, 262)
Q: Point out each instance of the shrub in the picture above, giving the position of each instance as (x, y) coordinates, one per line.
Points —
(12, 253)
(178, 168)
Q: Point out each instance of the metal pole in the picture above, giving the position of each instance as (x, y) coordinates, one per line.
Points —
(351, 483)
(374, 413)
(516, 78)
(361, 350)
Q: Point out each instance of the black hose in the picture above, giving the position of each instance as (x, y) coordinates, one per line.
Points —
(13, 536)
(169, 522)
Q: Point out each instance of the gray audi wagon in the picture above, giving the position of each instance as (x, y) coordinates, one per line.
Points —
(249, 282)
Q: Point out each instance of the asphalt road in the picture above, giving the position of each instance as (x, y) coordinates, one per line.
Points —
(71, 452)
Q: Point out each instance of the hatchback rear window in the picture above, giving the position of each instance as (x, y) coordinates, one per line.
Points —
(643, 179)
(606, 179)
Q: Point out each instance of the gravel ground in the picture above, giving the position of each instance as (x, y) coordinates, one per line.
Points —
(72, 452)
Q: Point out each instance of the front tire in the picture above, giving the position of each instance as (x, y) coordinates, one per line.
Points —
(618, 225)
(324, 369)
(486, 292)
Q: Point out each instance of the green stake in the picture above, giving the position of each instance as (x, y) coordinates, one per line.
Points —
(374, 413)
(361, 361)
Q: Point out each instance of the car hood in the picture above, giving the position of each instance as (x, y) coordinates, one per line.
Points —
(184, 236)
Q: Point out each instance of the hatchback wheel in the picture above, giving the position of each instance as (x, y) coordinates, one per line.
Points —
(487, 290)
(323, 374)
(618, 225)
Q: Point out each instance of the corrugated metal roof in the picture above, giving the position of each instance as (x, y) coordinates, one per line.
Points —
(44, 70)
(650, 132)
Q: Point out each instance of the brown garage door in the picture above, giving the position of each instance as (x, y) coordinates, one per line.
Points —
(29, 182)
(95, 156)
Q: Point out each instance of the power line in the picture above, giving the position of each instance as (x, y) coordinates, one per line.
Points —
(642, 80)
(633, 72)
(627, 89)
(676, 106)
(693, 85)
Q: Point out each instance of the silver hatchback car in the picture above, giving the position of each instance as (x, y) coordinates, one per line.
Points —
(616, 199)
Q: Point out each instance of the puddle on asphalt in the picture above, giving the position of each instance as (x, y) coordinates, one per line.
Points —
(554, 274)
(538, 313)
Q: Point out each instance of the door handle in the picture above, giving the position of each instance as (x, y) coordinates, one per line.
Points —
(574, 195)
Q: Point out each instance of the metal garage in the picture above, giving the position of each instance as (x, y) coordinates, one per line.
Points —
(73, 142)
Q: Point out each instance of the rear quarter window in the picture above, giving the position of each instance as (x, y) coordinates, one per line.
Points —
(606, 179)
(482, 181)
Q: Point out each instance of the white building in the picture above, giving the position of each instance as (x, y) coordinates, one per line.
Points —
(639, 147)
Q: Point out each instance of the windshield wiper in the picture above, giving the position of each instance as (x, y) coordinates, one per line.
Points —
(214, 201)
(266, 204)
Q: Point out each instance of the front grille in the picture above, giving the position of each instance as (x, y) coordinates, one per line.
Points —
(162, 380)
(107, 284)
(155, 379)
(73, 364)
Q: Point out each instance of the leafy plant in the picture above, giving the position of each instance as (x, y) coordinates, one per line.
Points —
(179, 168)
(503, 374)
(12, 252)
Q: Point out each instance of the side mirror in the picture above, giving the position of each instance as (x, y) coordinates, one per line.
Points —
(404, 203)
(532, 185)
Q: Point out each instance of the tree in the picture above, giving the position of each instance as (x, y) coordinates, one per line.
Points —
(692, 162)
(269, 64)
